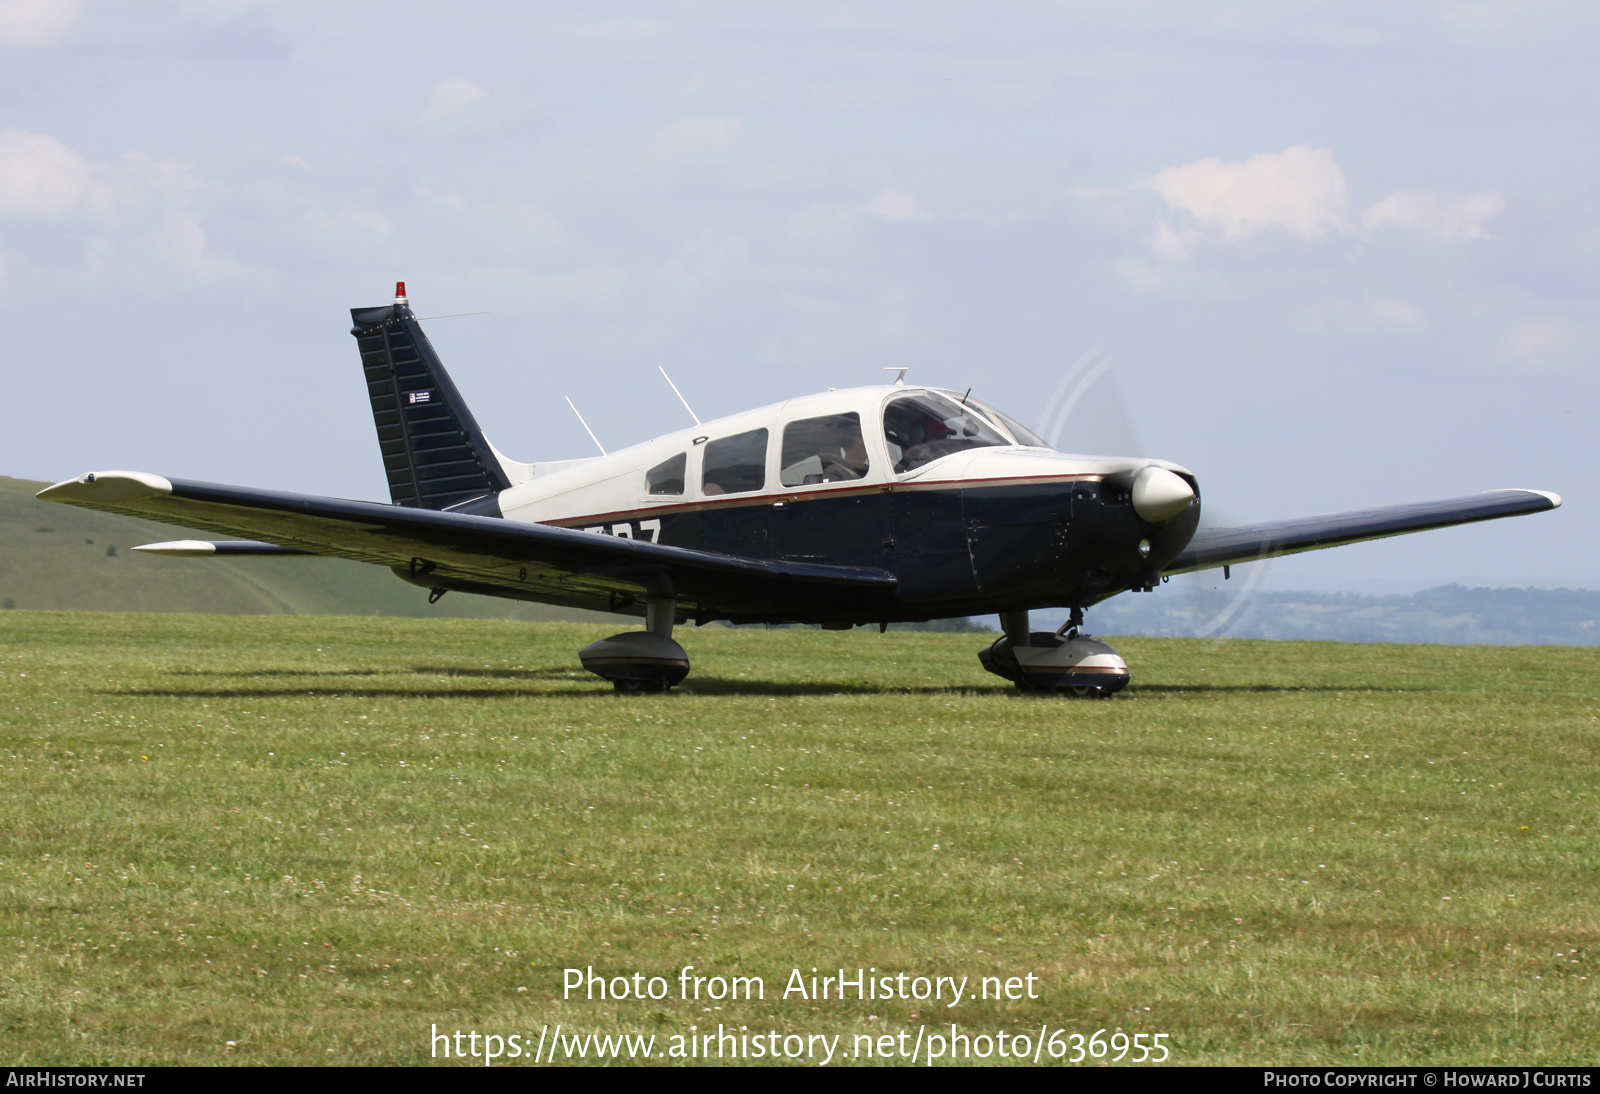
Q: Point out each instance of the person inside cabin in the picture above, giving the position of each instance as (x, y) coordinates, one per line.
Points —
(851, 462)
(822, 450)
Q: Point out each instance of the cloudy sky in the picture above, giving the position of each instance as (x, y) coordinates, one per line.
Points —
(1335, 254)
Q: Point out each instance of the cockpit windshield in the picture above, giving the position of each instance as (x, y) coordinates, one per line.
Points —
(1022, 433)
(922, 427)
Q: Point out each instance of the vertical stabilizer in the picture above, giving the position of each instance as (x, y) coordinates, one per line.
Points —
(433, 451)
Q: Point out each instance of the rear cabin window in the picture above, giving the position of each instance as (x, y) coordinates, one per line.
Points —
(827, 449)
(667, 477)
(923, 427)
(735, 465)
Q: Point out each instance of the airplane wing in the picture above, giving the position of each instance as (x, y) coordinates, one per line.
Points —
(1213, 547)
(485, 554)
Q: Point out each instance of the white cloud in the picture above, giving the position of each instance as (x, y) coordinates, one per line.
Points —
(40, 178)
(368, 220)
(170, 180)
(348, 225)
(135, 208)
(450, 201)
(1377, 315)
(460, 108)
(517, 223)
(37, 22)
(297, 161)
(1170, 242)
(688, 142)
(1443, 215)
(1300, 190)
(181, 244)
(43, 179)
(514, 288)
(896, 205)
(1539, 343)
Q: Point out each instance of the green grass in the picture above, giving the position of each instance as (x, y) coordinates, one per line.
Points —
(315, 837)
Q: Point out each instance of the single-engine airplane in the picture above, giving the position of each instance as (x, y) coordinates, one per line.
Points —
(893, 503)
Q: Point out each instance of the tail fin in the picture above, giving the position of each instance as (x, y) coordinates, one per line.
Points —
(434, 452)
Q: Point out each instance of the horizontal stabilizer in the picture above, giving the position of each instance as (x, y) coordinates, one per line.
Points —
(1213, 547)
(201, 548)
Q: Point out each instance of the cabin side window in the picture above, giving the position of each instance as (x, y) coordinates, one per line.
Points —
(735, 465)
(923, 427)
(826, 449)
(667, 477)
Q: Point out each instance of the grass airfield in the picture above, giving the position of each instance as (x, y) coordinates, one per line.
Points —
(316, 837)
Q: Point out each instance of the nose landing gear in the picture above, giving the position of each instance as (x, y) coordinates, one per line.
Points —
(1066, 661)
(640, 661)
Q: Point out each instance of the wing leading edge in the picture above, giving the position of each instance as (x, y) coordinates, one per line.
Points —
(1213, 547)
(486, 554)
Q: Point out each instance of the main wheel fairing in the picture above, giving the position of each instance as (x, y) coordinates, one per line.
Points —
(637, 661)
(1049, 662)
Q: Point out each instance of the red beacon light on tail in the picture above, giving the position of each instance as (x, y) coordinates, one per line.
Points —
(400, 292)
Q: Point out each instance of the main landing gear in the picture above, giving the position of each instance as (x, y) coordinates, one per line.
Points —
(1066, 661)
(647, 660)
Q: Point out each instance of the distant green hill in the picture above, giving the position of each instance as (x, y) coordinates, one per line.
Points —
(1447, 614)
(62, 557)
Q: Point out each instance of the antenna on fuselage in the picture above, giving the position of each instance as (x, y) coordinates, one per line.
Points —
(900, 380)
(679, 394)
(585, 425)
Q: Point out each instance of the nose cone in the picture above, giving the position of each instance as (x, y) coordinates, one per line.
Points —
(1160, 495)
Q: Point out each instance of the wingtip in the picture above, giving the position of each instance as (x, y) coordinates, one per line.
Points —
(1555, 499)
(107, 488)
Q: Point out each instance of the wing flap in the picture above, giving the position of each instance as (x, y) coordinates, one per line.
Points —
(1213, 547)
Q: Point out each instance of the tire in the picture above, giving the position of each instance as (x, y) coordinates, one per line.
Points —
(639, 687)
